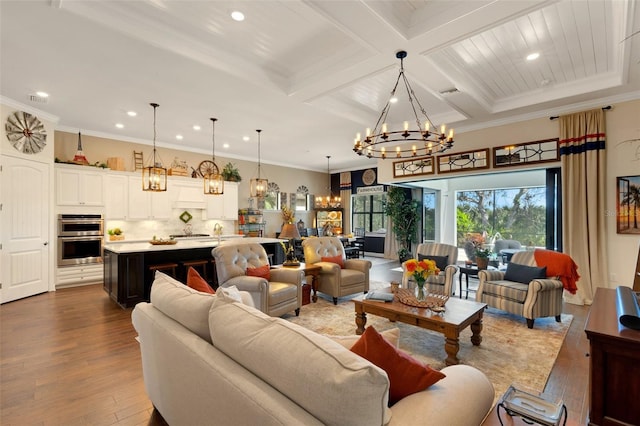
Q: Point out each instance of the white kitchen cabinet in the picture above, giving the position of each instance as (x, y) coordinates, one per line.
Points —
(69, 276)
(225, 206)
(77, 186)
(143, 205)
(116, 196)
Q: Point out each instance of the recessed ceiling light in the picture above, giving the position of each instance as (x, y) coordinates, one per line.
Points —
(196, 127)
(179, 137)
(42, 94)
(245, 138)
(120, 125)
(533, 56)
(237, 16)
(393, 100)
(132, 113)
(225, 145)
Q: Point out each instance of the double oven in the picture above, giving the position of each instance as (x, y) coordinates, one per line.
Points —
(80, 239)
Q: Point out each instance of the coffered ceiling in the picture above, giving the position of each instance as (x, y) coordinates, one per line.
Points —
(311, 73)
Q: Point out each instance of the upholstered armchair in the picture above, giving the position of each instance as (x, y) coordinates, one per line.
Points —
(275, 296)
(500, 245)
(541, 297)
(334, 280)
(446, 257)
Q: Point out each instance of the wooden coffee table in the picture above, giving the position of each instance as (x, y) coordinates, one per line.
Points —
(458, 315)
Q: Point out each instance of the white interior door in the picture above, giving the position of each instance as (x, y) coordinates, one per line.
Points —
(25, 228)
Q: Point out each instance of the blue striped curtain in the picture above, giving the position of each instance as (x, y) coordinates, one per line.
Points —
(583, 156)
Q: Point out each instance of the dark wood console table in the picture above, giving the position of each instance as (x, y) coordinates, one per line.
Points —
(615, 364)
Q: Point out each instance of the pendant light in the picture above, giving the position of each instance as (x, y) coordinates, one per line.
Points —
(326, 202)
(154, 176)
(259, 185)
(213, 181)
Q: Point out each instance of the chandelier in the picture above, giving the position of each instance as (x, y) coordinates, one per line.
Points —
(154, 176)
(213, 180)
(425, 136)
(328, 201)
(258, 185)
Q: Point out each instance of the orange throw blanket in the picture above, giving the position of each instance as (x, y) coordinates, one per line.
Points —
(559, 265)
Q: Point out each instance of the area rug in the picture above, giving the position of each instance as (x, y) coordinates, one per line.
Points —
(510, 352)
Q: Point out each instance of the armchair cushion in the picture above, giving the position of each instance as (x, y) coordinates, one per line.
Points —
(523, 273)
(334, 259)
(406, 374)
(441, 261)
(263, 271)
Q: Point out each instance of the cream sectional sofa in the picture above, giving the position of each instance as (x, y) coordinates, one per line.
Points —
(208, 360)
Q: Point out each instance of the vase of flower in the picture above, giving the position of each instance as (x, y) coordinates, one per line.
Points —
(420, 271)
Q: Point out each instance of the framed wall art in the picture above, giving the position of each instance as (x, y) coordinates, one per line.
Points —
(463, 161)
(526, 153)
(628, 205)
(413, 167)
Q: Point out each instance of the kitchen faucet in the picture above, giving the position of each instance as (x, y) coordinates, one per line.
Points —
(217, 231)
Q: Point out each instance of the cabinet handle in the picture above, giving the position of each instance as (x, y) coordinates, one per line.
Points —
(46, 243)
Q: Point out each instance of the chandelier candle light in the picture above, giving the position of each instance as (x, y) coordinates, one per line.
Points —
(258, 185)
(154, 176)
(427, 140)
(213, 181)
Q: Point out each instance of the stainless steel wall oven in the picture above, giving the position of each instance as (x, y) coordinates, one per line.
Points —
(80, 239)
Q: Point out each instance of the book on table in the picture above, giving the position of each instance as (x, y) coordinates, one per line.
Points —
(381, 296)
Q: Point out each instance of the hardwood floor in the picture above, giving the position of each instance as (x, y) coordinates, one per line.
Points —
(70, 358)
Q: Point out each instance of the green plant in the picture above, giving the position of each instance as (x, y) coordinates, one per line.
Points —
(231, 173)
(405, 216)
(483, 252)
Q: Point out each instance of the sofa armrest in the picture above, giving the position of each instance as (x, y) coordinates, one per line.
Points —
(283, 275)
(490, 275)
(247, 283)
(328, 267)
(462, 383)
(358, 264)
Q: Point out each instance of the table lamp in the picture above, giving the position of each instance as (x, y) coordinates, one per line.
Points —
(290, 232)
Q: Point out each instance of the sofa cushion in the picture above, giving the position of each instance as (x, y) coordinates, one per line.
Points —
(523, 273)
(187, 306)
(263, 271)
(196, 282)
(310, 369)
(441, 261)
(406, 374)
(334, 259)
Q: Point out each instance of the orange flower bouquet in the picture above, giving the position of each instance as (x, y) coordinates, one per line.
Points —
(420, 270)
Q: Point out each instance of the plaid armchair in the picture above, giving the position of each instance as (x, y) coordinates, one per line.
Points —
(537, 299)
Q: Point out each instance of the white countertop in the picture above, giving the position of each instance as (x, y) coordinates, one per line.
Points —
(182, 244)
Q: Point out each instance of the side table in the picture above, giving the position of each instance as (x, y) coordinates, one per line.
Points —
(470, 271)
(309, 270)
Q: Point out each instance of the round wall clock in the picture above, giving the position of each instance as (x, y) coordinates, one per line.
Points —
(25, 132)
(368, 177)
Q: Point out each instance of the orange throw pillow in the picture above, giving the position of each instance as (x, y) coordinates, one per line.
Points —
(263, 271)
(334, 259)
(196, 282)
(406, 374)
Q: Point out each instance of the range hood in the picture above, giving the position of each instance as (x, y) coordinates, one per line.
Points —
(189, 198)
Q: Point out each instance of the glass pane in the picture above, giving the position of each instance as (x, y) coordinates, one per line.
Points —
(429, 216)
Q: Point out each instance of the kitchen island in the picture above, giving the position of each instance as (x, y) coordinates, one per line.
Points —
(128, 279)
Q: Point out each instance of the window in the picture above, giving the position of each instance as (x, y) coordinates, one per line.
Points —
(429, 217)
(513, 214)
(367, 212)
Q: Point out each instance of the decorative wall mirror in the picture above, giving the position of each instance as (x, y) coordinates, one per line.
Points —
(301, 200)
(272, 197)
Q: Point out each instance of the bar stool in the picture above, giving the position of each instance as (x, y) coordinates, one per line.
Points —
(167, 268)
(201, 265)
